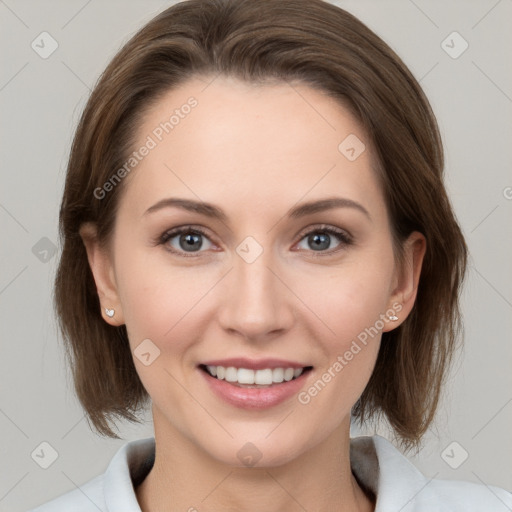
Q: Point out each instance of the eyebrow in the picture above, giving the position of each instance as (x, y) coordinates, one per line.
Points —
(302, 210)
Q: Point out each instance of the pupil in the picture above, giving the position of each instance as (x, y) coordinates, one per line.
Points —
(190, 239)
(320, 241)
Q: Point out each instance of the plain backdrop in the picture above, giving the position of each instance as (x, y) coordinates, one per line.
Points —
(41, 100)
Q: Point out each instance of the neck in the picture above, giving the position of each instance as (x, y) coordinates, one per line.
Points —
(184, 477)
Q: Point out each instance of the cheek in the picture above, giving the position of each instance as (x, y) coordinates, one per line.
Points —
(162, 302)
(156, 297)
(351, 303)
(351, 299)
(350, 356)
(170, 304)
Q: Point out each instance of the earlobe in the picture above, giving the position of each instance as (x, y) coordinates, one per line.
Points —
(408, 277)
(101, 266)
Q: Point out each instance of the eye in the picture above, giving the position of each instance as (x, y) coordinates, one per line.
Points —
(186, 239)
(321, 237)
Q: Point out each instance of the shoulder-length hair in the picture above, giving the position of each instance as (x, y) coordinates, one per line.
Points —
(259, 41)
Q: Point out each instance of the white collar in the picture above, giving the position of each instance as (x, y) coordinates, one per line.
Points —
(375, 462)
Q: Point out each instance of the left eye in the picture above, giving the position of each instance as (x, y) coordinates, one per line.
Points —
(321, 238)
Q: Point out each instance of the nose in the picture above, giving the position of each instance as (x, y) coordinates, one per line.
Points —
(257, 303)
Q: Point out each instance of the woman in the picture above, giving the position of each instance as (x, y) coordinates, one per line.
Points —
(257, 239)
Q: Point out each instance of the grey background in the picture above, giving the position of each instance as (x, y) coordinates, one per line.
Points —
(40, 101)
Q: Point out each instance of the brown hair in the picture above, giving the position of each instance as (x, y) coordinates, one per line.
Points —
(260, 41)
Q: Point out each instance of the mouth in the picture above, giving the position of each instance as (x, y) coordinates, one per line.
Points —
(255, 378)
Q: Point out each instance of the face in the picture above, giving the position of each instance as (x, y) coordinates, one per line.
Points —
(261, 286)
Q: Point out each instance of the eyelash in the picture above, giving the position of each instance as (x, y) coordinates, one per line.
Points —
(344, 238)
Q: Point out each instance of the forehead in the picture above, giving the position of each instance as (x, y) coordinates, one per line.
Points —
(223, 140)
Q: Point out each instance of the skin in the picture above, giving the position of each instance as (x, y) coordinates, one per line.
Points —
(255, 152)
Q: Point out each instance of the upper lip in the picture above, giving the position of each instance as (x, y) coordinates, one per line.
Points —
(255, 364)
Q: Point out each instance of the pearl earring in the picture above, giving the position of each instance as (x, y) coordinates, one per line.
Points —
(110, 312)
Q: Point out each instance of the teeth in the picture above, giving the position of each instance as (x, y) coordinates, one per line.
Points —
(245, 376)
(231, 374)
(265, 377)
(277, 375)
(288, 374)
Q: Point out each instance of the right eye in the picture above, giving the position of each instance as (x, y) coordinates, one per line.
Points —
(184, 240)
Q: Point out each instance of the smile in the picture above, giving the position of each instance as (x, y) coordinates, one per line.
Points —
(263, 385)
(254, 378)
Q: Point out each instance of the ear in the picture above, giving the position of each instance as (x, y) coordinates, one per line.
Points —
(102, 269)
(406, 279)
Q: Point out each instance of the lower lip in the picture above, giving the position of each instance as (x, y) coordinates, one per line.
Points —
(254, 398)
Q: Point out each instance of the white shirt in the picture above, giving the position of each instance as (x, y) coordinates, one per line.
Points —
(375, 462)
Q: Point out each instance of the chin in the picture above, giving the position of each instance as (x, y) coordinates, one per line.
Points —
(258, 452)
